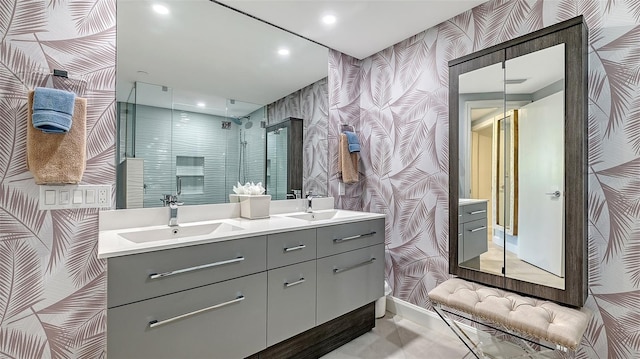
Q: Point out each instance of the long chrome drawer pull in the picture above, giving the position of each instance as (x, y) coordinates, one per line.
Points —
(287, 284)
(295, 248)
(339, 270)
(156, 323)
(478, 229)
(190, 269)
(478, 212)
(338, 240)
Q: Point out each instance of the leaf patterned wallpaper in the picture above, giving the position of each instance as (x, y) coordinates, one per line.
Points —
(398, 98)
(52, 285)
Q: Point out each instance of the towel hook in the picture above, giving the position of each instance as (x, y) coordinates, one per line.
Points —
(347, 127)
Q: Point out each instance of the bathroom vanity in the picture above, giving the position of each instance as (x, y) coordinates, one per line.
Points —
(293, 284)
(472, 231)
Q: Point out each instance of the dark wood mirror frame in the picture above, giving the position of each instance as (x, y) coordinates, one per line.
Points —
(573, 33)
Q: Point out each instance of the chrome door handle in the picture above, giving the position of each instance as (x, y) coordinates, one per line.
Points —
(295, 248)
(339, 270)
(478, 212)
(300, 281)
(156, 323)
(555, 194)
(338, 240)
(477, 229)
(190, 269)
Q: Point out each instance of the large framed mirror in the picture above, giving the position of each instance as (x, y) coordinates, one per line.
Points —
(192, 85)
(518, 159)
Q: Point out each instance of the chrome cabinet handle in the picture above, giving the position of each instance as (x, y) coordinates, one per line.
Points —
(478, 212)
(190, 269)
(295, 248)
(555, 194)
(300, 281)
(156, 323)
(478, 229)
(339, 270)
(338, 240)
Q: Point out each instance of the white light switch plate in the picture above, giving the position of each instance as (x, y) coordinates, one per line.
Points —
(74, 196)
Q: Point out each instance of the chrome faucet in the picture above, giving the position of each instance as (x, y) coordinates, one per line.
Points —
(309, 200)
(172, 200)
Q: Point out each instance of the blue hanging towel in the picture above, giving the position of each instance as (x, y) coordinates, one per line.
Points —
(52, 110)
(352, 140)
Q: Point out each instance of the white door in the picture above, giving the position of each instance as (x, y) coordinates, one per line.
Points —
(540, 175)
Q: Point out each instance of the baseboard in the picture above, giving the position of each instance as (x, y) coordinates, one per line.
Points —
(419, 315)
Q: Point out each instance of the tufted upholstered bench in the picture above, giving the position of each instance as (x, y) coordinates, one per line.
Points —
(540, 319)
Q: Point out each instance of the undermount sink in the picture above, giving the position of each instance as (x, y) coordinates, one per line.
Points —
(323, 215)
(160, 234)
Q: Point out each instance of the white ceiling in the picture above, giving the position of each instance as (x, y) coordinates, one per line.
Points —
(208, 53)
(363, 28)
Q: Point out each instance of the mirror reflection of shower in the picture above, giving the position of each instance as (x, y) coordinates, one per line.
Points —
(242, 168)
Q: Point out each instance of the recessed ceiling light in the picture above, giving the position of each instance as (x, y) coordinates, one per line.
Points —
(283, 52)
(329, 19)
(200, 104)
(160, 9)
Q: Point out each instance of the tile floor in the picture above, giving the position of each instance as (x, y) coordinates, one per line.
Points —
(395, 337)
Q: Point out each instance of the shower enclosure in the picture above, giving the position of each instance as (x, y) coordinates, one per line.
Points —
(189, 152)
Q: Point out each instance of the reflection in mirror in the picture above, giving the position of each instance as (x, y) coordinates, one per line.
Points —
(284, 158)
(512, 160)
(191, 87)
(540, 253)
(198, 156)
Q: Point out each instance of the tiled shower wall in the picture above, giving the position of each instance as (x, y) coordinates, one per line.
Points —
(52, 285)
(161, 135)
(403, 112)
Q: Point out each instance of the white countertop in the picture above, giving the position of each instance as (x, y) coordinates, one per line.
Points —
(112, 244)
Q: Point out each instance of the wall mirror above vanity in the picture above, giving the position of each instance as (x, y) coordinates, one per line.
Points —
(192, 86)
(518, 157)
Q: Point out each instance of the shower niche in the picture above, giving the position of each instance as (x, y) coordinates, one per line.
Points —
(189, 175)
(284, 158)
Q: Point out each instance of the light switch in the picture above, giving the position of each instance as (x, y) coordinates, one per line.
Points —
(90, 196)
(77, 196)
(64, 197)
(50, 197)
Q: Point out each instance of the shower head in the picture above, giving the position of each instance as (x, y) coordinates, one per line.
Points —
(248, 124)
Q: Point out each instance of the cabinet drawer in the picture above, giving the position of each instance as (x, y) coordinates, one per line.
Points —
(473, 212)
(236, 328)
(147, 275)
(346, 237)
(292, 301)
(291, 247)
(348, 281)
(474, 239)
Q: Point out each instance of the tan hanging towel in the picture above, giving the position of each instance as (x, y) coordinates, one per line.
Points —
(58, 157)
(347, 162)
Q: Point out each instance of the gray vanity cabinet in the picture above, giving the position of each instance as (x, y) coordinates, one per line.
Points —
(472, 232)
(346, 237)
(290, 247)
(291, 307)
(351, 272)
(292, 284)
(235, 298)
(222, 320)
(146, 275)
